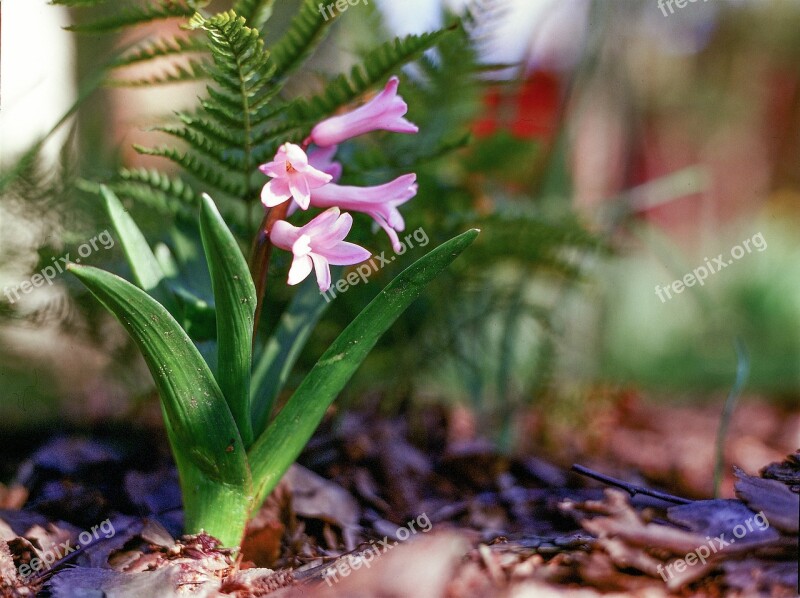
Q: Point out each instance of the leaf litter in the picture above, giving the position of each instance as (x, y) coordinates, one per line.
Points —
(341, 521)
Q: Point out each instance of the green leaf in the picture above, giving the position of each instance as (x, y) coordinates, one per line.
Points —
(281, 443)
(255, 12)
(157, 191)
(221, 510)
(145, 267)
(283, 348)
(152, 49)
(204, 429)
(235, 300)
(307, 29)
(378, 66)
(135, 15)
(194, 70)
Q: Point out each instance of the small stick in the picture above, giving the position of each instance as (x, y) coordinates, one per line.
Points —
(629, 488)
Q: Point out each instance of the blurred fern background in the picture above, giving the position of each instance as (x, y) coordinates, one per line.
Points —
(601, 147)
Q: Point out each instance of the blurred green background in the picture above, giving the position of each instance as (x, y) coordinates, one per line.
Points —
(604, 148)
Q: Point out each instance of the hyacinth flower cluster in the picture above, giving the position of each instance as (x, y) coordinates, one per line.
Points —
(306, 176)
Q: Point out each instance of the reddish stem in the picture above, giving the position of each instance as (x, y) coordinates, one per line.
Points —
(260, 256)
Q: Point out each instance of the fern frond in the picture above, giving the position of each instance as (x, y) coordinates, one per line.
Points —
(232, 159)
(270, 138)
(308, 28)
(381, 63)
(136, 14)
(161, 48)
(255, 12)
(220, 136)
(241, 73)
(198, 168)
(77, 3)
(166, 194)
(194, 70)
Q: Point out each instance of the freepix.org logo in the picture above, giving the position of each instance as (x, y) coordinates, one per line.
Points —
(367, 269)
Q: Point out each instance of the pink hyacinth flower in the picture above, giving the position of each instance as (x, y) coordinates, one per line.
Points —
(292, 177)
(321, 158)
(317, 245)
(383, 113)
(379, 202)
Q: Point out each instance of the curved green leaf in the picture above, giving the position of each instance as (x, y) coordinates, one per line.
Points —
(202, 424)
(282, 350)
(235, 301)
(281, 443)
(145, 267)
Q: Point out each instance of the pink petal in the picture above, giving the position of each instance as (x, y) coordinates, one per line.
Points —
(301, 193)
(273, 169)
(323, 271)
(346, 254)
(396, 245)
(302, 246)
(316, 178)
(401, 125)
(301, 268)
(320, 223)
(295, 154)
(284, 235)
(321, 158)
(335, 232)
(275, 192)
(385, 111)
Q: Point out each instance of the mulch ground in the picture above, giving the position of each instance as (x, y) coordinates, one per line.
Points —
(422, 506)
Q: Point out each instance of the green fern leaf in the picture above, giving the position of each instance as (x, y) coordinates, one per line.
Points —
(379, 65)
(156, 190)
(306, 31)
(222, 137)
(194, 70)
(197, 167)
(77, 3)
(241, 72)
(161, 48)
(255, 12)
(135, 14)
(232, 159)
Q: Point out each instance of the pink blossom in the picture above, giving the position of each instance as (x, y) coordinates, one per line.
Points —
(317, 245)
(379, 202)
(321, 158)
(292, 176)
(384, 112)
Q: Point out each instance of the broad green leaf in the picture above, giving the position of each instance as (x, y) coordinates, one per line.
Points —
(145, 267)
(283, 348)
(222, 510)
(203, 426)
(281, 443)
(199, 317)
(235, 301)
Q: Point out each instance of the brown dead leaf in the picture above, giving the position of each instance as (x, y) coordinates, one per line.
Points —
(419, 568)
(13, 497)
(779, 505)
(621, 521)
